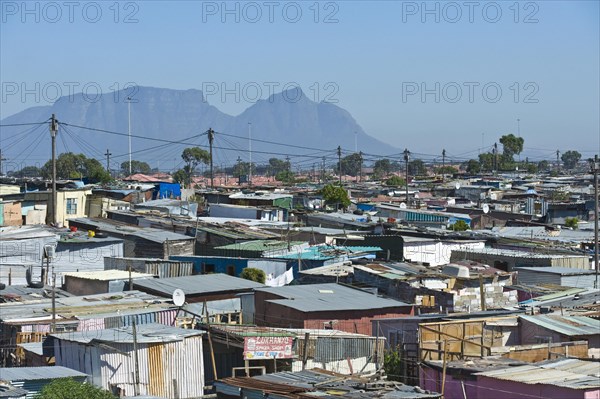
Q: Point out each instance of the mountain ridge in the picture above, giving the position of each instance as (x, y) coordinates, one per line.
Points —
(277, 124)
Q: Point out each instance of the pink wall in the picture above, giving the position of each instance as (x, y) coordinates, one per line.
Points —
(486, 387)
(432, 381)
(517, 390)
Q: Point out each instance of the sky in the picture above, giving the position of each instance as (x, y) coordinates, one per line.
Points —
(420, 75)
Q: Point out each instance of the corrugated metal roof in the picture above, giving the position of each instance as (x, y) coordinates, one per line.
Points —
(146, 333)
(107, 275)
(261, 245)
(568, 373)
(571, 326)
(37, 373)
(328, 297)
(563, 271)
(147, 233)
(196, 285)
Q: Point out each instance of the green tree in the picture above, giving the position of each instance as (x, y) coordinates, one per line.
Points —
(76, 166)
(382, 167)
(473, 166)
(278, 165)
(334, 194)
(392, 364)
(351, 164)
(447, 170)
(417, 168)
(460, 225)
(286, 176)
(253, 274)
(181, 177)
(395, 181)
(543, 166)
(486, 161)
(136, 167)
(512, 145)
(242, 168)
(570, 158)
(27, 171)
(193, 156)
(68, 388)
(572, 223)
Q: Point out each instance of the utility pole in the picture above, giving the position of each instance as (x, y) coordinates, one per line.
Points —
(595, 169)
(108, 154)
(443, 164)
(406, 159)
(211, 137)
(129, 129)
(360, 160)
(250, 148)
(239, 163)
(323, 171)
(557, 161)
(339, 152)
(1, 159)
(519, 134)
(54, 199)
(495, 158)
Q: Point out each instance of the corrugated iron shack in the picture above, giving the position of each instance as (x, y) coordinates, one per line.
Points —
(169, 359)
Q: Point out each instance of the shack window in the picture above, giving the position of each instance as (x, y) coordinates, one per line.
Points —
(209, 268)
(71, 206)
(231, 270)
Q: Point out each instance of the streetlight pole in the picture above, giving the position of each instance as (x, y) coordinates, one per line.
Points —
(406, 158)
(129, 129)
(53, 133)
(595, 168)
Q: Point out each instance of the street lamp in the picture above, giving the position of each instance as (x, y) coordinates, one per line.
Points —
(406, 159)
(595, 165)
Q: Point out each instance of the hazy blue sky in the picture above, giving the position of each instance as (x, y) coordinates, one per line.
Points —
(373, 58)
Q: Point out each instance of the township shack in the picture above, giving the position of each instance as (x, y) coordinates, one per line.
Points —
(169, 360)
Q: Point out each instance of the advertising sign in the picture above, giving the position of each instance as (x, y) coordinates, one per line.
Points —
(256, 348)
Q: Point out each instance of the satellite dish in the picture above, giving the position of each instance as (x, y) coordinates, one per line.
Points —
(457, 185)
(178, 297)
(486, 208)
(402, 205)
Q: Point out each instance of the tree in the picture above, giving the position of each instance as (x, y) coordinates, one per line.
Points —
(334, 194)
(68, 388)
(473, 166)
(76, 166)
(351, 164)
(285, 176)
(570, 158)
(395, 181)
(278, 165)
(136, 167)
(253, 274)
(511, 145)
(543, 166)
(242, 168)
(393, 365)
(382, 167)
(460, 225)
(193, 156)
(486, 161)
(27, 171)
(572, 223)
(181, 177)
(447, 170)
(417, 168)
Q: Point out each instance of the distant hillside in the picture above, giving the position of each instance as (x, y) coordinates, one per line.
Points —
(178, 115)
